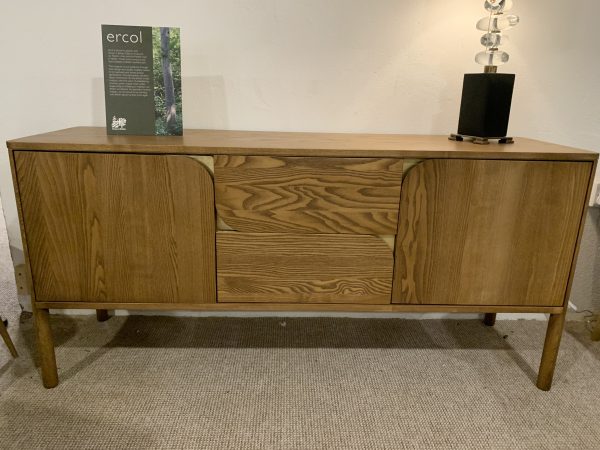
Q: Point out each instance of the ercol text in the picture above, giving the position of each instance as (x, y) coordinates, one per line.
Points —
(124, 37)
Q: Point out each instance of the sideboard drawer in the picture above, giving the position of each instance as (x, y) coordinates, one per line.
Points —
(303, 268)
(308, 194)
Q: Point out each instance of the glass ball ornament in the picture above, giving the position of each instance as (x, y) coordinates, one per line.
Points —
(497, 5)
(493, 40)
(491, 58)
(494, 24)
(497, 23)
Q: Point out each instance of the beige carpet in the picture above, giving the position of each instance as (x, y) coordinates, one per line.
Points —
(262, 383)
(304, 383)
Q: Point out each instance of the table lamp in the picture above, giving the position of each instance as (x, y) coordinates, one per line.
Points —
(486, 97)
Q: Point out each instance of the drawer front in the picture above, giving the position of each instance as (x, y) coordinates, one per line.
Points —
(118, 228)
(305, 268)
(308, 194)
(485, 232)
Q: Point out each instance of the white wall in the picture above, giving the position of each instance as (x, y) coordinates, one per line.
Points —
(311, 65)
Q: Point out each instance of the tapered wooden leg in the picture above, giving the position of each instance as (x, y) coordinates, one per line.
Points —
(102, 315)
(7, 340)
(550, 353)
(489, 319)
(45, 347)
(596, 333)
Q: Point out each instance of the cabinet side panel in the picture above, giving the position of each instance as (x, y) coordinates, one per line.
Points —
(28, 277)
(119, 228)
(485, 232)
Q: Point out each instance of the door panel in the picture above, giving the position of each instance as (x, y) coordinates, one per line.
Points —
(118, 228)
(488, 232)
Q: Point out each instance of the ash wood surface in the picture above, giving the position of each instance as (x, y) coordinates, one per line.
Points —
(351, 307)
(107, 227)
(308, 268)
(208, 142)
(23, 273)
(45, 347)
(308, 194)
(596, 332)
(588, 195)
(556, 323)
(488, 232)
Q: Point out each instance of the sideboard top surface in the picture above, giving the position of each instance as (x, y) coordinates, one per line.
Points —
(226, 142)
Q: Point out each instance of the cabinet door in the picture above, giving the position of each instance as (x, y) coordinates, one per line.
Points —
(118, 228)
(485, 232)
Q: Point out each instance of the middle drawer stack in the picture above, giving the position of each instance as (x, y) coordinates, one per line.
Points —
(306, 229)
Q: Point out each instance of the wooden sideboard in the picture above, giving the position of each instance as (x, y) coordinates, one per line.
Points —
(239, 220)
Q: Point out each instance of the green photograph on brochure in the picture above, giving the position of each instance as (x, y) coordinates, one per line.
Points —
(166, 51)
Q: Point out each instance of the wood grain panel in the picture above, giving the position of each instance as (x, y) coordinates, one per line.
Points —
(353, 307)
(309, 268)
(271, 143)
(488, 232)
(118, 228)
(309, 195)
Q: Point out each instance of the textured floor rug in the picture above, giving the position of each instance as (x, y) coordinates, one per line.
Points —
(302, 383)
(306, 383)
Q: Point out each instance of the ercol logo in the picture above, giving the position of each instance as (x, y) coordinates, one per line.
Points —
(119, 124)
(125, 38)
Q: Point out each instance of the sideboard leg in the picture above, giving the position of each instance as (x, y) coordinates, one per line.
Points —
(550, 353)
(489, 319)
(596, 332)
(102, 315)
(45, 347)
